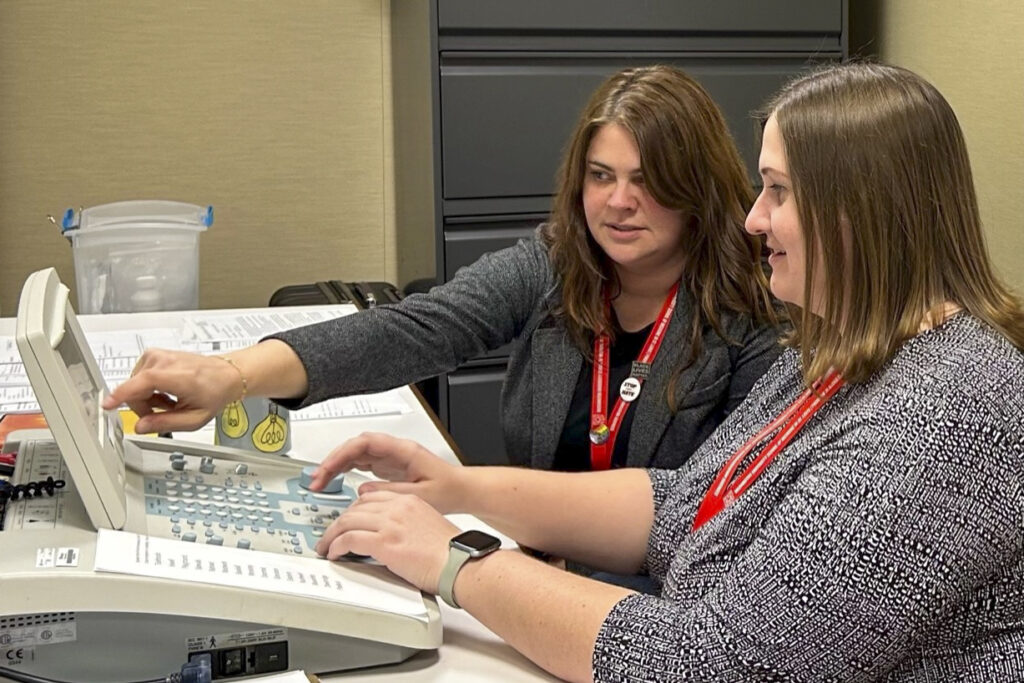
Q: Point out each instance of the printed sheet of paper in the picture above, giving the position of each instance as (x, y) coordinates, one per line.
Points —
(372, 587)
(117, 352)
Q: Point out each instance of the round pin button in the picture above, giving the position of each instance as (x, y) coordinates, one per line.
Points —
(629, 389)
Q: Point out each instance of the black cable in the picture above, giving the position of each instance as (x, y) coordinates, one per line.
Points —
(22, 677)
(31, 489)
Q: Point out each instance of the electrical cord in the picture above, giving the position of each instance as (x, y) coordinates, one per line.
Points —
(196, 671)
(30, 489)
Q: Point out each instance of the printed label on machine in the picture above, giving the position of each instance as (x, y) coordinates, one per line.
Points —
(33, 635)
(56, 557)
(16, 655)
(237, 639)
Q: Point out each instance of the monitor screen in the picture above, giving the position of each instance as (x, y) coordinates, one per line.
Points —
(69, 387)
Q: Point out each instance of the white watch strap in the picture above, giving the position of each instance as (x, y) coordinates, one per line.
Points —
(446, 585)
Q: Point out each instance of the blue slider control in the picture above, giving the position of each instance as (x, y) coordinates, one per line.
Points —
(335, 485)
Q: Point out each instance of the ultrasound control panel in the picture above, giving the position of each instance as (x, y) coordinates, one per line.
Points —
(200, 499)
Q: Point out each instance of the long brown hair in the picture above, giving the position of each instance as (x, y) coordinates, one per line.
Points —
(689, 163)
(886, 200)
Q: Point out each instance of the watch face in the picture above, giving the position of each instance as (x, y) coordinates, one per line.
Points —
(476, 542)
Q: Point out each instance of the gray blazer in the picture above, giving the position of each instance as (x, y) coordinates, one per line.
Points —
(507, 296)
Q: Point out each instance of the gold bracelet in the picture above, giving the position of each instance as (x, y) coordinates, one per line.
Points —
(245, 384)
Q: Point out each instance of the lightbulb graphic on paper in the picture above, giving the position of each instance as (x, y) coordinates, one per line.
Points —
(234, 420)
(270, 434)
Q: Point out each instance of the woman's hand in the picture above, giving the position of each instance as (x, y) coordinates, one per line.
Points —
(406, 466)
(176, 391)
(400, 531)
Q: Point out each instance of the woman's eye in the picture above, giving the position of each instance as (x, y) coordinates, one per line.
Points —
(599, 175)
(777, 189)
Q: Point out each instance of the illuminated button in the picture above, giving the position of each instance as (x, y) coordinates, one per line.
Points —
(232, 499)
(172, 486)
(252, 518)
(203, 496)
(187, 494)
(248, 501)
(220, 498)
(173, 508)
(261, 496)
(217, 489)
(236, 515)
(268, 519)
(318, 532)
(202, 487)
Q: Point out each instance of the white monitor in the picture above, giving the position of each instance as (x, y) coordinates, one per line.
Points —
(69, 387)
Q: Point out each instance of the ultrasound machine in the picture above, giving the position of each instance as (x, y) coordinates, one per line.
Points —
(81, 488)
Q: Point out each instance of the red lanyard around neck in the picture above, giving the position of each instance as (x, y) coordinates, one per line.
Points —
(724, 490)
(603, 431)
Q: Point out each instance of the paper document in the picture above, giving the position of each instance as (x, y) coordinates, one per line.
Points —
(363, 585)
(222, 332)
(386, 403)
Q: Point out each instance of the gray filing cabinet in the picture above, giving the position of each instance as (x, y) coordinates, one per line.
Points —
(507, 81)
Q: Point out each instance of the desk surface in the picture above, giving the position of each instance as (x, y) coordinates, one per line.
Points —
(470, 651)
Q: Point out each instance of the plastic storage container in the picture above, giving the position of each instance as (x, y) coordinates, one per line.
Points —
(137, 255)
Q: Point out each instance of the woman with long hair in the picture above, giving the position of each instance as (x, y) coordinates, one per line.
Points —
(639, 315)
(856, 518)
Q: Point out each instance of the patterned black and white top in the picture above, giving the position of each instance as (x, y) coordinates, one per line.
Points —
(886, 542)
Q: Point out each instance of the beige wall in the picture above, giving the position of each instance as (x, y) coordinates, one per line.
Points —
(973, 51)
(276, 113)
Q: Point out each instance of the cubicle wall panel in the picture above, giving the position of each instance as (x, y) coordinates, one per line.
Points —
(473, 398)
(506, 117)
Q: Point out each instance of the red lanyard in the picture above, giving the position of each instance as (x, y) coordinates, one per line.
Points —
(603, 431)
(722, 493)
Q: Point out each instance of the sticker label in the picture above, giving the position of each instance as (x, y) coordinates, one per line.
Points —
(45, 557)
(16, 655)
(215, 641)
(67, 557)
(28, 635)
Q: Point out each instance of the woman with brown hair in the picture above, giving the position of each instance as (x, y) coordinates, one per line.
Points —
(643, 272)
(856, 518)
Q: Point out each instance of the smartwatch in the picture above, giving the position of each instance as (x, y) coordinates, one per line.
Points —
(469, 545)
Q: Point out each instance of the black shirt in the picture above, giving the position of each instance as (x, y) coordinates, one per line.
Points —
(573, 453)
